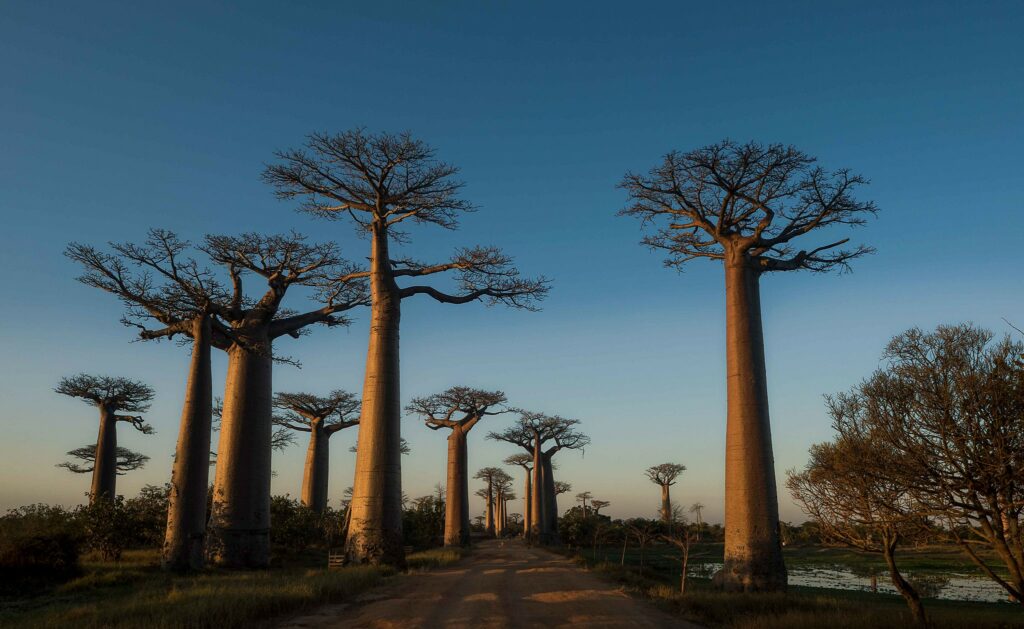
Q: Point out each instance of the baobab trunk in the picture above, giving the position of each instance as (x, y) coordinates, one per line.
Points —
(375, 534)
(489, 513)
(186, 510)
(538, 522)
(550, 501)
(240, 523)
(753, 552)
(314, 480)
(527, 505)
(104, 472)
(666, 505)
(456, 517)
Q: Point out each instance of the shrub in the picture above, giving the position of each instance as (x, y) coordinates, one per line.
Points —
(39, 546)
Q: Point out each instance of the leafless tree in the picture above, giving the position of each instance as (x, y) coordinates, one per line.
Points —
(531, 432)
(645, 531)
(457, 409)
(383, 183)
(848, 488)
(949, 406)
(115, 398)
(746, 205)
(665, 475)
(525, 461)
(321, 417)
(683, 540)
(126, 461)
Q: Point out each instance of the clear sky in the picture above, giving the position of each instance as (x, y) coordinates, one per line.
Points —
(120, 116)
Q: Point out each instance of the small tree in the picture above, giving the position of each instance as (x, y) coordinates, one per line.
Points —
(127, 460)
(682, 539)
(665, 476)
(457, 409)
(112, 396)
(597, 505)
(698, 509)
(745, 205)
(645, 531)
(321, 417)
(582, 498)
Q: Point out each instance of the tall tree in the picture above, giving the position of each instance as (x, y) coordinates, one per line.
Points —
(582, 498)
(240, 521)
(380, 182)
(161, 285)
(114, 398)
(488, 475)
(502, 488)
(746, 205)
(525, 461)
(321, 417)
(457, 409)
(665, 476)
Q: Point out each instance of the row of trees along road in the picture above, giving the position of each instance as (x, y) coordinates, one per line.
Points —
(377, 181)
(930, 447)
(744, 205)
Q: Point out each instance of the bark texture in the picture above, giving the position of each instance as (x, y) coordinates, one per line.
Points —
(753, 550)
(456, 520)
(666, 505)
(314, 478)
(184, 540)
(104, 474)
(240, 521)
(375, 534)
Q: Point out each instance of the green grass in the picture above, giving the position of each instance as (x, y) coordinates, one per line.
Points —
(136, 593)
(801, 607)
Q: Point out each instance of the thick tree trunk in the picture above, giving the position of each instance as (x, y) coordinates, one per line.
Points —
(104, 470)
(456, 517)
(375, 535)
(550, 502)
(753, 551)
(239, 535)
(184, 545)
(906, 590)
(537, 519)
(666, 505)
(314, 479)
(489, 513)
(527, 504)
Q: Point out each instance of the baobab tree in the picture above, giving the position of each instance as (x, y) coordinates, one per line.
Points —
(168, 294)
(114, 398)
(380, 182)
(597, 505)
(321, 417)
(502, 487)
(127, 460)
(524, 461)
(240, 520)
(488, 475)
(698, 509)
(582, 498)
(458, 409)
(665, 476)
(746, 205)
(531, 432)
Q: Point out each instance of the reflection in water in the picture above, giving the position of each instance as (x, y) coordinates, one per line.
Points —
(952, 586)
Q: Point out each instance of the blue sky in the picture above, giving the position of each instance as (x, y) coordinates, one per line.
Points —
(116, 117)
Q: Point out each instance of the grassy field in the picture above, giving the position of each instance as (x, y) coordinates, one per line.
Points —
(802, 607)
(135, 593)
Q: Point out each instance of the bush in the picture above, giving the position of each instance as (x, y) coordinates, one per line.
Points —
(296, 527)
(39, 546)
(110, 527)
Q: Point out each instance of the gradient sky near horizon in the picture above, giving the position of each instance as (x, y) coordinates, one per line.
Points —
(120, 116)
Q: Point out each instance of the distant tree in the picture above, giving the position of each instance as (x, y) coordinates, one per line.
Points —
(112, 396)
(525, 461)
(698, 509)
(502, 492)
(645, 531)
(321, 417)
(457, 409)
(562, 487)
(582, 498)
(597, 505)
(127, 460)
(746, 205)
(665, 476)
(379, 182)
(683, 540)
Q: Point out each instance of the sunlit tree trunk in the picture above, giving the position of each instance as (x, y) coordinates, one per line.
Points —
(240, 524)
(906, 590)
(456, 519)
(753, 552)
(318, 461)
(527, 505)
(538, 521)
(186, 511)
(489, 513)
(375, 534)
(666, 505)
(104, 473)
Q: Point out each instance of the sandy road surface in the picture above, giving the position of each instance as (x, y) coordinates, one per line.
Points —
(499, 585)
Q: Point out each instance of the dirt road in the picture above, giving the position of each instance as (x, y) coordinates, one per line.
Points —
(499, 585)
